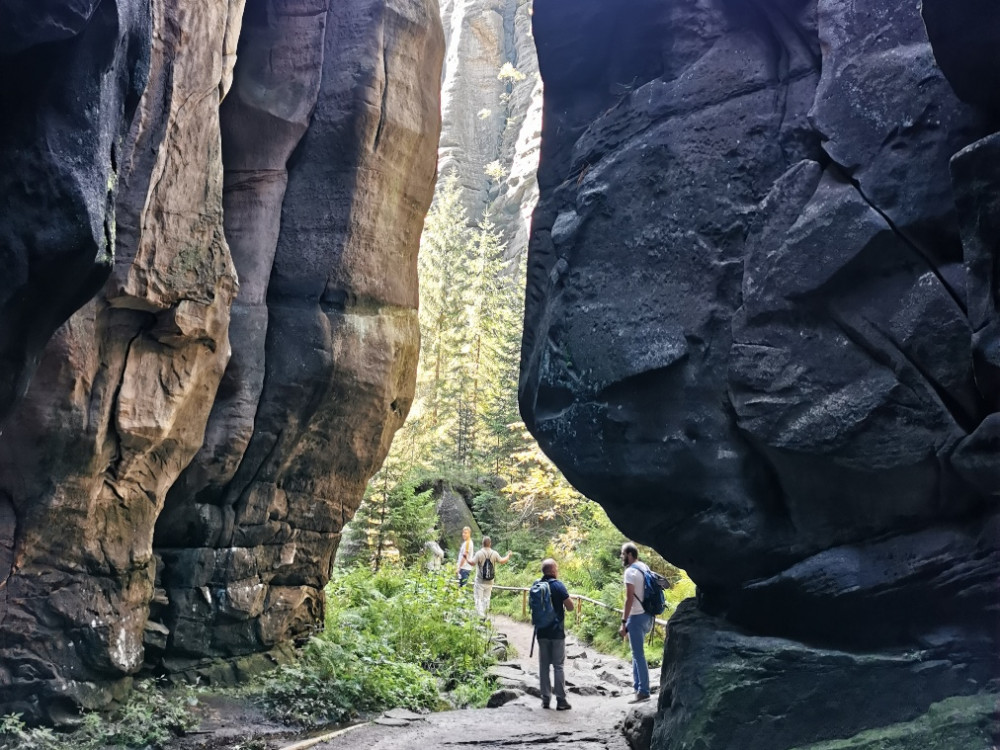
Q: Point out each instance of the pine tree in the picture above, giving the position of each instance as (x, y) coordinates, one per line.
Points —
(446, 273)
(500, 331)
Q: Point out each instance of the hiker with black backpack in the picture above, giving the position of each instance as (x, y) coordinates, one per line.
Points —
(549, 601)
(636, 621)
(486, 561)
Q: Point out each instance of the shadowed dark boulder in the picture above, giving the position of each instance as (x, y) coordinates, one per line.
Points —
(964, 35)
(761, 324)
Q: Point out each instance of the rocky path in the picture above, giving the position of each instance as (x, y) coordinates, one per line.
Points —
(601, 718)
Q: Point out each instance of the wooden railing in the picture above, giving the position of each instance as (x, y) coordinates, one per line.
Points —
(579, 599)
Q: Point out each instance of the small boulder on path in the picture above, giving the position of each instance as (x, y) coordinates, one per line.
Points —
(503, 696)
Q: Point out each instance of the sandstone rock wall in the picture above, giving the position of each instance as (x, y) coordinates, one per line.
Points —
(761, 331)
(72, 76)
(323, 366)
(126, 415)
(118, 405)
(487, 119)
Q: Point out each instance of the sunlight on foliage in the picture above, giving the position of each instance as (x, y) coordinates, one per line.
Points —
(495, 170)
(537, 489)
(399, 637)
(464, 439)
(508, 73)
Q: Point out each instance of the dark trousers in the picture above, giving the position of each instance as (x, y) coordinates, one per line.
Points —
(552, 653)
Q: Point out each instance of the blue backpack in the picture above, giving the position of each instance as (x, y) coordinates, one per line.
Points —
(543, 613)
(653, 600)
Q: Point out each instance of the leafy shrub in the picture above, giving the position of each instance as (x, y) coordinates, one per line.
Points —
(148, 719)
(509, 73)
(495, 170)
(331, 683)
(391, 638)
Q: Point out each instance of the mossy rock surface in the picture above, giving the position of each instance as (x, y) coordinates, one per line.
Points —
(723, 688)
(962, 723)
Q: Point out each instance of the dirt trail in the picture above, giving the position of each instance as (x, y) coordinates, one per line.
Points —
(598, 686)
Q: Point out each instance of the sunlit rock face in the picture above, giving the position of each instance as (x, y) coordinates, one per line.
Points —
(324, 330)
(118, 403)
(488, 119)
(247, 361)
(761, 330)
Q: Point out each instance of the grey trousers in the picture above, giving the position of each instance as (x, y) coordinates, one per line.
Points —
(552, 653)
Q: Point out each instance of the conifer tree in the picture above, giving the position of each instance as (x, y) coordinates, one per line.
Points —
(501, 345)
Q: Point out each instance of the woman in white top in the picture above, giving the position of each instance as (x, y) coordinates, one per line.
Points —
(465, 553)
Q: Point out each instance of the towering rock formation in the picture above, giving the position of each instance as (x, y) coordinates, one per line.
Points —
(72, 76)
(761, 330)
(491, 118)
(113, 427)
(118, 405)
(325, 331)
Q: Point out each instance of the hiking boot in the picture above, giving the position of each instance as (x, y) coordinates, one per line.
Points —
(545, 702)
(563, 706)
(640, 697)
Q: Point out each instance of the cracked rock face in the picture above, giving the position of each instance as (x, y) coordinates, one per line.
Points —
(486, 119)
(761, 323)
(173, 484)
(118, 403)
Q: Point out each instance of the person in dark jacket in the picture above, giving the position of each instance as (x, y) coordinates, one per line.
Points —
(552, 640)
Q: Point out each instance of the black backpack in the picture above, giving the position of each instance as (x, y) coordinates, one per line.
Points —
(489, 572)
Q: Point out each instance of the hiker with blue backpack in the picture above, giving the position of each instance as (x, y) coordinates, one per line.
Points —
(549, 601)
(643, 601)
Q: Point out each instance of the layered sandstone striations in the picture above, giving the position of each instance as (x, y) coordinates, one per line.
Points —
(325, 330)
(126, 415)
(761, 330)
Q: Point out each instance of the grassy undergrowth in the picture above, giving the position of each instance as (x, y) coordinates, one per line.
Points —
(396, 638)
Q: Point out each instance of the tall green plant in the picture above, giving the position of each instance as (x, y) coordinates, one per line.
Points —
(446, 274)
(392, 638)
(470, 319)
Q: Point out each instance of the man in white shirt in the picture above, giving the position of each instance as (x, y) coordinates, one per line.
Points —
(635, 621)
(482, 589)
(465, 553)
